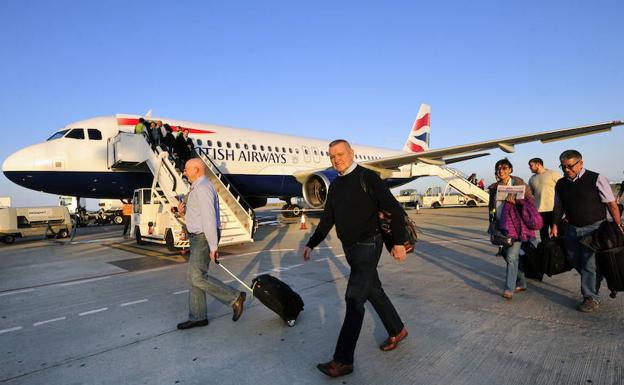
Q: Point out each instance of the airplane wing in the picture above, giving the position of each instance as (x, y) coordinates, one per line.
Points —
(447, 155)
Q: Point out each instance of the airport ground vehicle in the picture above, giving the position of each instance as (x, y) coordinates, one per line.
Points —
(409, 198)
(436, 197)
(110, 211)
(19, 222)
(152, 221)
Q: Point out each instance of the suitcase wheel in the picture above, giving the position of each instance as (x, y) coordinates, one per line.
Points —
(291, 322)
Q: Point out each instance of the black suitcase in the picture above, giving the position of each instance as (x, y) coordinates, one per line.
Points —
(555, 258)
(278, 296)
(610, 263)
(533, 262)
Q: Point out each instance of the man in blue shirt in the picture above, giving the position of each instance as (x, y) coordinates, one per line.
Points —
(201, 215)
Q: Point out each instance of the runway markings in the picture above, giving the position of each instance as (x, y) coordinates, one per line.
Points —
(133, 302)
(16, 292)
(180, 292)
(92, 311)
(10, 330)
(84, 281)
(94, 241)
(49, 321)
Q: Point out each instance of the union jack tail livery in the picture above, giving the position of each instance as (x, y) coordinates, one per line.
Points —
(418, 139)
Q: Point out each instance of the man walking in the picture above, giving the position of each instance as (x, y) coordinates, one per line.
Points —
(126, 214)
(353, 201)
(201, 214)
(542, 184)
(582, 196)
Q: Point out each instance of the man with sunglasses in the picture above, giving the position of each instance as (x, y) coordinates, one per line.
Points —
(583, 196)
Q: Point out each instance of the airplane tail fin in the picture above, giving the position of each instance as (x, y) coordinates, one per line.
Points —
(418, 139)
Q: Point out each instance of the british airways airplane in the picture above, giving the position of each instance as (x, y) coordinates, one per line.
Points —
(261, 165)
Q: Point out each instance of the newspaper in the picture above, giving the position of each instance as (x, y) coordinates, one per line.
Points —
(502, 192)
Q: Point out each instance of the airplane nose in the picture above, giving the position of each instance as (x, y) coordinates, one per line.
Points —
(18, 161)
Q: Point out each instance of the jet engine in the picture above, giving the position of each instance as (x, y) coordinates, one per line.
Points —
(315, 188)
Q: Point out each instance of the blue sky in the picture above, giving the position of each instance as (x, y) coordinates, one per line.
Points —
(354, 69)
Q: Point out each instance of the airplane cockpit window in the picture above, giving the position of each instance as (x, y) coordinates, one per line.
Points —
(76, 133)
(94, 134)
(58, 135)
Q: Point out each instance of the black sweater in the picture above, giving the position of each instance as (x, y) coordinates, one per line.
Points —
(354, 211)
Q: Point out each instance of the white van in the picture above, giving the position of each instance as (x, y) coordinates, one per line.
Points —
(152, 222)
(18, 222)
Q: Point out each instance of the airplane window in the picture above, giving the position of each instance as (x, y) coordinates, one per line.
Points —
(284, 150)
(76, 133)
(199, 142)
(94, 134)
(253, 147)
(296, 150)
(306, 151)
(210, 143)
(268, 148)
(261, 148)
(276, 149)
(290, 149)
(315, 152)
(237, 145)
(246, 146)
(228, 145)
(58, 135)
(218, 143)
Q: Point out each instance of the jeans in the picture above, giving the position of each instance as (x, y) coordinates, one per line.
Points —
(202, 283)
(515, 271)
(583, 259)
(364, 285)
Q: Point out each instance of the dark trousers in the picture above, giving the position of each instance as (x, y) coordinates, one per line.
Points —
(126, 223)
(364, 285)
(547, 219)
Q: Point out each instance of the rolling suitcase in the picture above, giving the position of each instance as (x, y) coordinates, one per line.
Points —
(611, 264)
(278, 296)
(274, 294)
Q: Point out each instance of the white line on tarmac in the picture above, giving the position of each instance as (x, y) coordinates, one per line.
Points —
(10, 330)
(134, 302)
(93, 311)
(49, 320)
(260, 251)
(84, 281)
(94, 241)
(321, 259)
(17, 292)
(180, 292)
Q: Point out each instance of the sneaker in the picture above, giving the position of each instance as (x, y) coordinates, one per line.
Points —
(588, 305)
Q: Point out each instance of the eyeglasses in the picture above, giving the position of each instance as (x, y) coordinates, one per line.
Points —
(569, 166)
(502, 168)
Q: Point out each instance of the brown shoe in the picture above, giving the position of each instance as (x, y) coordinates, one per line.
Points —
(392, 342)
(335, 369)
(588, 305)
(519, 289)
(507, 294)
(237, 306)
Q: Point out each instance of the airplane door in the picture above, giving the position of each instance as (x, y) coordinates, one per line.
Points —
(316, 155)
(306, 153)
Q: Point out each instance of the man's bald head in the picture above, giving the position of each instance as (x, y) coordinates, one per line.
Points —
(194, 168)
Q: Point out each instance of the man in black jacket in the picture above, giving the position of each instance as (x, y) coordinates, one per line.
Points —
(584, 197)
(353, 201)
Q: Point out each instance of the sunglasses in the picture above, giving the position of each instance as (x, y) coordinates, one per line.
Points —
(569, 166)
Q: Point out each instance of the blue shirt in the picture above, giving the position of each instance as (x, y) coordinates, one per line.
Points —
(202, 211)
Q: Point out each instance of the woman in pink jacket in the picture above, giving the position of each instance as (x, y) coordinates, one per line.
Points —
(516, 218)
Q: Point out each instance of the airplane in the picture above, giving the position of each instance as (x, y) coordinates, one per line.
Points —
(73, 161)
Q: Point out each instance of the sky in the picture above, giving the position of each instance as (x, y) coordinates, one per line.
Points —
(325, 69)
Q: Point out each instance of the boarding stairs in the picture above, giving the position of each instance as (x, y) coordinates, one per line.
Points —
(457, 180)
(128, 151)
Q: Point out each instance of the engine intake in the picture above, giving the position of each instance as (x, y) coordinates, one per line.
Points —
(315, 189)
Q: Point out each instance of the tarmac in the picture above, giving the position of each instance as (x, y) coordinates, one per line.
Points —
(102, 310)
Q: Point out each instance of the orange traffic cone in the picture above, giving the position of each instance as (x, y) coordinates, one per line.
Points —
(303, 224)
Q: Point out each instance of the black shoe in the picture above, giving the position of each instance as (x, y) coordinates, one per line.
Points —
(237, 307)
(191, 324)
(335, 368)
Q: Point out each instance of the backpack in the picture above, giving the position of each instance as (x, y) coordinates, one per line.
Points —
(385, 223)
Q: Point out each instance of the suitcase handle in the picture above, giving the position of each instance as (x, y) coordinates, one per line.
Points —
(233, 276)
